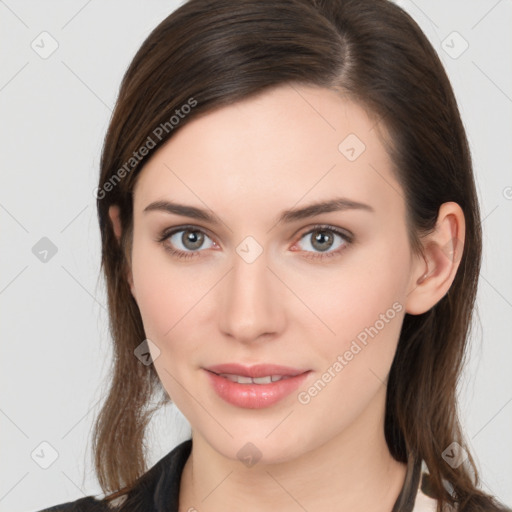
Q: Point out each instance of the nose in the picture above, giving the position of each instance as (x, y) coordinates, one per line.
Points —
(251, 303)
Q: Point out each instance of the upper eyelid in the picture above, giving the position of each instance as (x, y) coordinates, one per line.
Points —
(166, 233)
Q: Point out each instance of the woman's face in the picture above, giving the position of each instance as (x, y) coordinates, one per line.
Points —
(323, 294)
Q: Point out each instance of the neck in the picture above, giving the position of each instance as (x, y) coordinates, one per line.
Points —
(352, 471)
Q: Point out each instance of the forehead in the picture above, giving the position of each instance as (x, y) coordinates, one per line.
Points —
(288, 144)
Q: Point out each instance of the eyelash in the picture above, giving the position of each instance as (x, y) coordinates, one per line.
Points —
(347, 238)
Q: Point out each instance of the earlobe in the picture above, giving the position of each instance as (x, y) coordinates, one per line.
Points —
(114, 214)
(434, 270)
(115, 218)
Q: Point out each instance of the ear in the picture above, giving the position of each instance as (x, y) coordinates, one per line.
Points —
(115, 217)
(434, 270)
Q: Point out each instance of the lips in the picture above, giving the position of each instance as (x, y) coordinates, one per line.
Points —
(254, 395)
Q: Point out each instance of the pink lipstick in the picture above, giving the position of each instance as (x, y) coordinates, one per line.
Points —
(254, 387)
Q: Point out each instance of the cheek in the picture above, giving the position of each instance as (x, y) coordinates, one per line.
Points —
(365, 309)
(156, 286)
(364, 305)
(366, 284)
(171, 299)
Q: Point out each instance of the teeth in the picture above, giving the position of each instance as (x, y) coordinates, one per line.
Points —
(240, 379)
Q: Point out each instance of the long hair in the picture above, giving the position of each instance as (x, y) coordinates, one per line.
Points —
(206, 55)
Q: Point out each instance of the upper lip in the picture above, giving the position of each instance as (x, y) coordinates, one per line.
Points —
(255, 371)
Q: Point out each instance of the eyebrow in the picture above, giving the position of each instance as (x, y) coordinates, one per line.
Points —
(287, 216)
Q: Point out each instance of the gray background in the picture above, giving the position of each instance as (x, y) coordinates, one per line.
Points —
(55, 349)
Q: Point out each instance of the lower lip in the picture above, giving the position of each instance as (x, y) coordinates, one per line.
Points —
(254, 396)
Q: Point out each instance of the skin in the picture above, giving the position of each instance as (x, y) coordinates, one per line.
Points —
(248, 162)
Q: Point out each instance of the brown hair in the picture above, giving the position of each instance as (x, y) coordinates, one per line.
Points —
(207, 55)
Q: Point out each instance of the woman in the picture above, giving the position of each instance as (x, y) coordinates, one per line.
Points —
(291, 245)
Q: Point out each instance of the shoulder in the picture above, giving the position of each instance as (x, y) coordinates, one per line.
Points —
(424, 500)
(87, 504)
(424, 503)
(427, 502)
(158, 486)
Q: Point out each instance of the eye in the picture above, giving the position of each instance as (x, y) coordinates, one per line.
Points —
(186, 241)
(321, 241)
(325, 241)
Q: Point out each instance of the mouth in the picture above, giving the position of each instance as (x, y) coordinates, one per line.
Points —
(257, 386)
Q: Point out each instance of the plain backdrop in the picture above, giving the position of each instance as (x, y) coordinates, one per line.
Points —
(55, 347)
